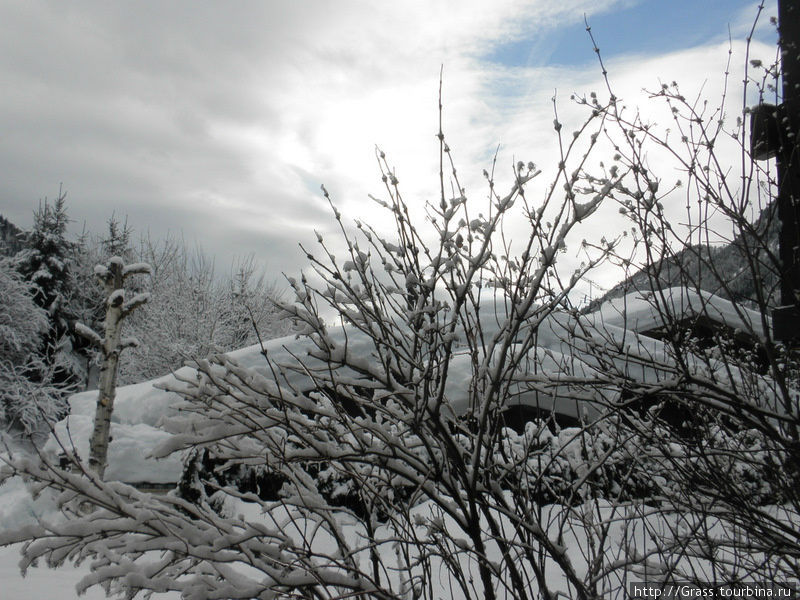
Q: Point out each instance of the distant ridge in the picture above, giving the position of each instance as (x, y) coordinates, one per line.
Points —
(726, 271)
(12, 238)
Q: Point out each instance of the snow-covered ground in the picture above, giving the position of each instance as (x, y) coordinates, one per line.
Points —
(41, 583)
(18, 508)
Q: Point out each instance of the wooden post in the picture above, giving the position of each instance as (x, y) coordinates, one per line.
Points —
(774, 133)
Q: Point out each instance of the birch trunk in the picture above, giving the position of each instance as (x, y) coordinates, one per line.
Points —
(98, 445)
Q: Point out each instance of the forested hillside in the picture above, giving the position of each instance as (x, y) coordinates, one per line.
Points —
(726, 270)
(11, 237)
(48, 286)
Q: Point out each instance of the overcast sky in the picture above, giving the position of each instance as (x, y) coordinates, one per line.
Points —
(218, 121)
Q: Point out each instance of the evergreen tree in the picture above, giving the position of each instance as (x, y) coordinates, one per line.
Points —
(45, 265)
(118, 239)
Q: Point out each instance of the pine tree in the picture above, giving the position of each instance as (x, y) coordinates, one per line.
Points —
(45, 264)
(118, 239)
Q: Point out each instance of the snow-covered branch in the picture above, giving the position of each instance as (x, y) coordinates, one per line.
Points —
(88, 333)
(134, 303)
(140, 268)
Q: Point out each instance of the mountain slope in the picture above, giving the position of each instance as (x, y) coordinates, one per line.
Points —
(734, 271)
(12, 238)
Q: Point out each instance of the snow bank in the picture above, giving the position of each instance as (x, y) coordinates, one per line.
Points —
(18, 508)
(43, 583)
(129, 457)
(139, 410)
(138, 403)
(146, 403)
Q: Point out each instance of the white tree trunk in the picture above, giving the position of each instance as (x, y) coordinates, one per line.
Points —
(111, 345)
(98, 444)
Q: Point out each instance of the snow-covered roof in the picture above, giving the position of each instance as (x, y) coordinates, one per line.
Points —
(646, 311)
(560, 357)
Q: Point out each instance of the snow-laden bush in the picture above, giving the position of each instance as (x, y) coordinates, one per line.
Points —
(380, 420)
(22, 321)
(27, 397)
(29, 400)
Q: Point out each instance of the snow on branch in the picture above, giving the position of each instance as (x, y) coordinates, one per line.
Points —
(116, 298)
(140, 268)
(129, 342)
(88, 333)
(135, 303)
(101, 271)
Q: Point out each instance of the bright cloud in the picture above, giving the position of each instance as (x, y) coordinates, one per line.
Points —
(221, 120)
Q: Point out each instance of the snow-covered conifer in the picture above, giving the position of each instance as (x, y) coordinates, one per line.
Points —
(46, 264)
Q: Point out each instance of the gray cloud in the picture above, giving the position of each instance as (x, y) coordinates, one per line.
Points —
(221, 120)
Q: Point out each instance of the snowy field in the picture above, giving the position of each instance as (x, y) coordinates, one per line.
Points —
(17, 509)
(43, 583)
